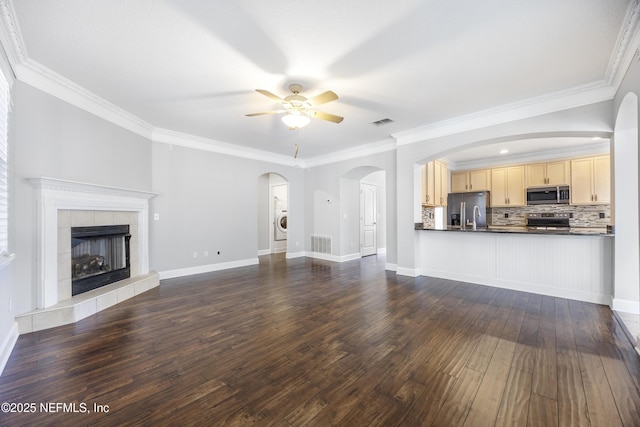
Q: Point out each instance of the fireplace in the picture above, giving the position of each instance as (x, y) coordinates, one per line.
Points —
(100, 255)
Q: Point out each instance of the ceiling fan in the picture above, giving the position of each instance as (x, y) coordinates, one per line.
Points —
(299, 109)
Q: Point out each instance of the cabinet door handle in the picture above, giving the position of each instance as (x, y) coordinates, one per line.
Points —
(595, 198)
(592, 197)
(470, 186)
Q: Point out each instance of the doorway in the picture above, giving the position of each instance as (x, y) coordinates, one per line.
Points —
(368, 219)
(272, 213)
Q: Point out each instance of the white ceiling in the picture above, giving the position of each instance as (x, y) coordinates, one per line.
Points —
(190, 67)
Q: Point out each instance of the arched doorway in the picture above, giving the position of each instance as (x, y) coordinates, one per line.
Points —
(273, 213)
(363, 212)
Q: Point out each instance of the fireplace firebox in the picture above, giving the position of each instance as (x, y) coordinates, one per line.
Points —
(99, 256)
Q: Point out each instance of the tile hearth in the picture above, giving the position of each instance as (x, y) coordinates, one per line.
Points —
(80, 306)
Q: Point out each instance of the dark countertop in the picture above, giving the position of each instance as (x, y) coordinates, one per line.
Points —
(579, 231)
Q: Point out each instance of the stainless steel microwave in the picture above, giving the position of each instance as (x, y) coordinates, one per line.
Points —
(548, 195)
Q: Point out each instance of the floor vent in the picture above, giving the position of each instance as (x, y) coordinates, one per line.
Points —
(321, 244)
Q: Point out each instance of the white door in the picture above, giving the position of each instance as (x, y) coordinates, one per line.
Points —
(368, 220)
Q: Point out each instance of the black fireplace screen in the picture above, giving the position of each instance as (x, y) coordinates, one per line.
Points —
(99, 256)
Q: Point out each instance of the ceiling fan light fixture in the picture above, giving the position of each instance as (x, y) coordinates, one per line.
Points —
(296, 119)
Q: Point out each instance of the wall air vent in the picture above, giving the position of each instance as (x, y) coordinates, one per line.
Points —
(321, 244)
(382, 122)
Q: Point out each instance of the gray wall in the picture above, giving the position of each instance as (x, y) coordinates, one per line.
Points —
(332, 204)
(52, 138)
(209, 202)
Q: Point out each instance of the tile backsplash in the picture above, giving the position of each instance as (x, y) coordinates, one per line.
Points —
(583, 216)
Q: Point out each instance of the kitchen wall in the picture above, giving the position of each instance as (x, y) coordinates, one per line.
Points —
(583, 216)
(592, 118)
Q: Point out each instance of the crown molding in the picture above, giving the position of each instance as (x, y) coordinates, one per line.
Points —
(388, 144)
(205, 144)
(559, 153)
(571, 98)
(626, 45)
(10, 34)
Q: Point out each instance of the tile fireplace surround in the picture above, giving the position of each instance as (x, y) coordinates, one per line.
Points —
(65, 204)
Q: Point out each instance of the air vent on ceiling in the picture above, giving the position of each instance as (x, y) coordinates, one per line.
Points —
(382, 122)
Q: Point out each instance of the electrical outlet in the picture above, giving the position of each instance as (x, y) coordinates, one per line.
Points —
(156, 216)
(601, 215)
(506, 215)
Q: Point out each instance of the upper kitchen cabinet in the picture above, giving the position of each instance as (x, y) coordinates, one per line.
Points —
(552, 173)
(476, 180)
(591, 181)
(507, 186)
(435, 183)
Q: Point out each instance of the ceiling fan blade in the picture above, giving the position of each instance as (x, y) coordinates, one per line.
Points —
(323, 98)
(266, 112)
(270, 95)
(328, 117)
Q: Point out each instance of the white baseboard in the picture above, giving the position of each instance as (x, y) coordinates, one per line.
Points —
(533, 288)
(382, 251)
(300, 254)
(391, 267)
(411, 272)
(181, 272)
(625, 306)
(350, 257)
(264, 252)
(334, 258)
(7, 346)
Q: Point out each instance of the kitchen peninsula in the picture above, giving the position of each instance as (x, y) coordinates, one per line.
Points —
(574, 264)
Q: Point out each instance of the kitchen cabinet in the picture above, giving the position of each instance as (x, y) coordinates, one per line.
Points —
(551, 173)
(507, 186)
(476, 180)
(591, 181)
(435, 183)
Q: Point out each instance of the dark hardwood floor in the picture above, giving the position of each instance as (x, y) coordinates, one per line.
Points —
(307, 342)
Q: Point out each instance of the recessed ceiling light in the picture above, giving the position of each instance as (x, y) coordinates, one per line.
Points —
(597, 138)
(504, 151)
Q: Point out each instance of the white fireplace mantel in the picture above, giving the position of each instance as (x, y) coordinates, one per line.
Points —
(55, 194)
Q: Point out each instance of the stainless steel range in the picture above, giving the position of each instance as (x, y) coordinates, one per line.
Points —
(548, 221)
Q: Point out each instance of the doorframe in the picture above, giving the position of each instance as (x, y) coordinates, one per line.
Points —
(375, 213)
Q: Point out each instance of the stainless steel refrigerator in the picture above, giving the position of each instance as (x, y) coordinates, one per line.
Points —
(461, 208)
